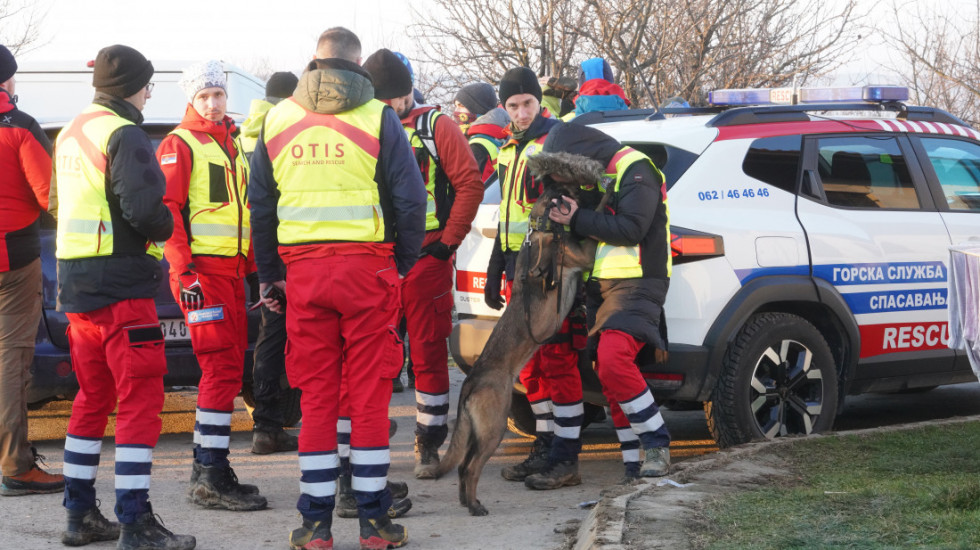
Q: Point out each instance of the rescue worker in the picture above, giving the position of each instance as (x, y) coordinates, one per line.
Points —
(486, 135)
(207, 179)
(337, 195)
(558, 94)
(597, 89)
(628, 283)
(111, 226)
(269, 359)
(454, 191)
(473, 101)
(25, 162)
(554, 386)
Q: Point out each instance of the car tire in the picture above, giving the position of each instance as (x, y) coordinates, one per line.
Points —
(778, 378)
(289, 402)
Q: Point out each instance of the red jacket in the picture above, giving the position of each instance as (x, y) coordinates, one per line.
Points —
(25, 180)
(178, 174)
(458, 163)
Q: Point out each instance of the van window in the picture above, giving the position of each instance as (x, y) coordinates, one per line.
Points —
(673, 162)
(865, 172)
(775, 160)
(957, 167)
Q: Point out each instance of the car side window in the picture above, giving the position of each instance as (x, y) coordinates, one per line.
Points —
(775, 160)
(865, 172)
(957, 167)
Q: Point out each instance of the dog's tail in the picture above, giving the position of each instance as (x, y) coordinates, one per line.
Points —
(459, 444)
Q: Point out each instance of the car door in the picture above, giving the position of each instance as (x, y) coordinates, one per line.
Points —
(875, 234)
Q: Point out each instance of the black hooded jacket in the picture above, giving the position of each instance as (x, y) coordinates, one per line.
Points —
(635, 215)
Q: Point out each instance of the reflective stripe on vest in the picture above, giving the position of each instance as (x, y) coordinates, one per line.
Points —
(492, 147)
(84, 217)
(430, 171)
(515, 208)
(624, 262)
(216, 197)
(324, 166)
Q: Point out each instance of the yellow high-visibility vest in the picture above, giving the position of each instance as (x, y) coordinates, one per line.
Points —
(623, 262)
(421, 136)
(81, 156)
(324, 166)
(515, 207)
(216, 197)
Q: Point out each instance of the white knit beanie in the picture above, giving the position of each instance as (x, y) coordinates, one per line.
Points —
(207, 74)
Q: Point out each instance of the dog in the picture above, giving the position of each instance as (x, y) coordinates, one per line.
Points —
(549, 268)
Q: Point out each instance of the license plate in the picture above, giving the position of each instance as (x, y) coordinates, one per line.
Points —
(174, 330)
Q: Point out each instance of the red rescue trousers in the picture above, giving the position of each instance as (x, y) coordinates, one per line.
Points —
(427, 299)
(117, 354)
(219, 344)
(342, 318)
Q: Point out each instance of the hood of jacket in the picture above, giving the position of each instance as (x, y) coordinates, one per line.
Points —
(579, 153)
(6, 104)
(331, 86)
(492, 123)
(221, 131)
(256, 115)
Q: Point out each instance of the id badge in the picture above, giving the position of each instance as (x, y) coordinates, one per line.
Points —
(207, 315)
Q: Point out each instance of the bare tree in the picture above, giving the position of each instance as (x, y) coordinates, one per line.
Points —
(658, 48)
(20, 23)
(940, 55)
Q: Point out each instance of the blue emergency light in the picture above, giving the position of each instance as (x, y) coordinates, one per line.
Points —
(785, 96)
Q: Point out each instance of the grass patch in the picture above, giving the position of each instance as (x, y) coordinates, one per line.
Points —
(916, 488)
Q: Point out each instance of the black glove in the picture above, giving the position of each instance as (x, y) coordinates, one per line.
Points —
(440, 250)
(191, 294)
(491, 291)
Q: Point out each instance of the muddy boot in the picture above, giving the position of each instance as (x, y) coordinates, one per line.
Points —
(32, 482)
(535, 462)
(88, 526)
(631, 474)
(147, 533)
(656, 462)
(399, 489)
(266, 442)
(345, 503)
(426, 459)
(312, 535)
(218, 487)
(555, 476)
(381, 534)
(399, 507)
(196, 473)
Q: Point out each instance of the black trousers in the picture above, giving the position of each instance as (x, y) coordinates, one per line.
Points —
(268, 370)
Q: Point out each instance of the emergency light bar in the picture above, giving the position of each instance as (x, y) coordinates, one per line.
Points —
(790, 96)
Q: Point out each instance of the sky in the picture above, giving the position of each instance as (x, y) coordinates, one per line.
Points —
(268, 36)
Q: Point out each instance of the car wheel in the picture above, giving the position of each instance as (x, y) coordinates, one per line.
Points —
(778, 378)
(289, 403)
(521, 419)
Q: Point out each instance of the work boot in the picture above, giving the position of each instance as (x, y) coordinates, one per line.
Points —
(656, 462)
(312, 535)
(346, 505)
(555, 476)
(196, 473)
(266, 442)
(536, 461)
(88, 526)
(32, 482)
(148, 533)
(631, 474)
(218, 487)
(381, 534)
(399, 489)
(426, 459)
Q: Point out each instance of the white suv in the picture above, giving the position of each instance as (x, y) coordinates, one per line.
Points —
(810, 253)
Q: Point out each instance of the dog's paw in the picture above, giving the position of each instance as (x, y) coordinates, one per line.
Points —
(477, 509)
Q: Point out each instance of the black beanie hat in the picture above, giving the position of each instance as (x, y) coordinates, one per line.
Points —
(8, 65)
(478, 97)
(519, 80)
(121, 71)
(281, 85)
(391, 77)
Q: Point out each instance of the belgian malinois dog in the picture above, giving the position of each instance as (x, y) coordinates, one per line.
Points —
(549, 268)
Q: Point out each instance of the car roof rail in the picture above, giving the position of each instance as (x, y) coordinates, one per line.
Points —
(598, 117)
(762, 114)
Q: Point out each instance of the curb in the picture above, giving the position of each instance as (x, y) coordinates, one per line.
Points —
(605, 526)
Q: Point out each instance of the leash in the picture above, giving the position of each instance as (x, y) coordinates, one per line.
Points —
(544, 223)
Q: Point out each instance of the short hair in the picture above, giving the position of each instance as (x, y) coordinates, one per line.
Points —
(338, 42)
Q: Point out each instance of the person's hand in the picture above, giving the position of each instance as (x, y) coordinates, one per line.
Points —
(191, 293)
(274, 296)
(562, 210)
(440, 250)
(491, 290)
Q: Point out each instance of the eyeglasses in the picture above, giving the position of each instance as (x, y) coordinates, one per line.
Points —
(149, 86)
